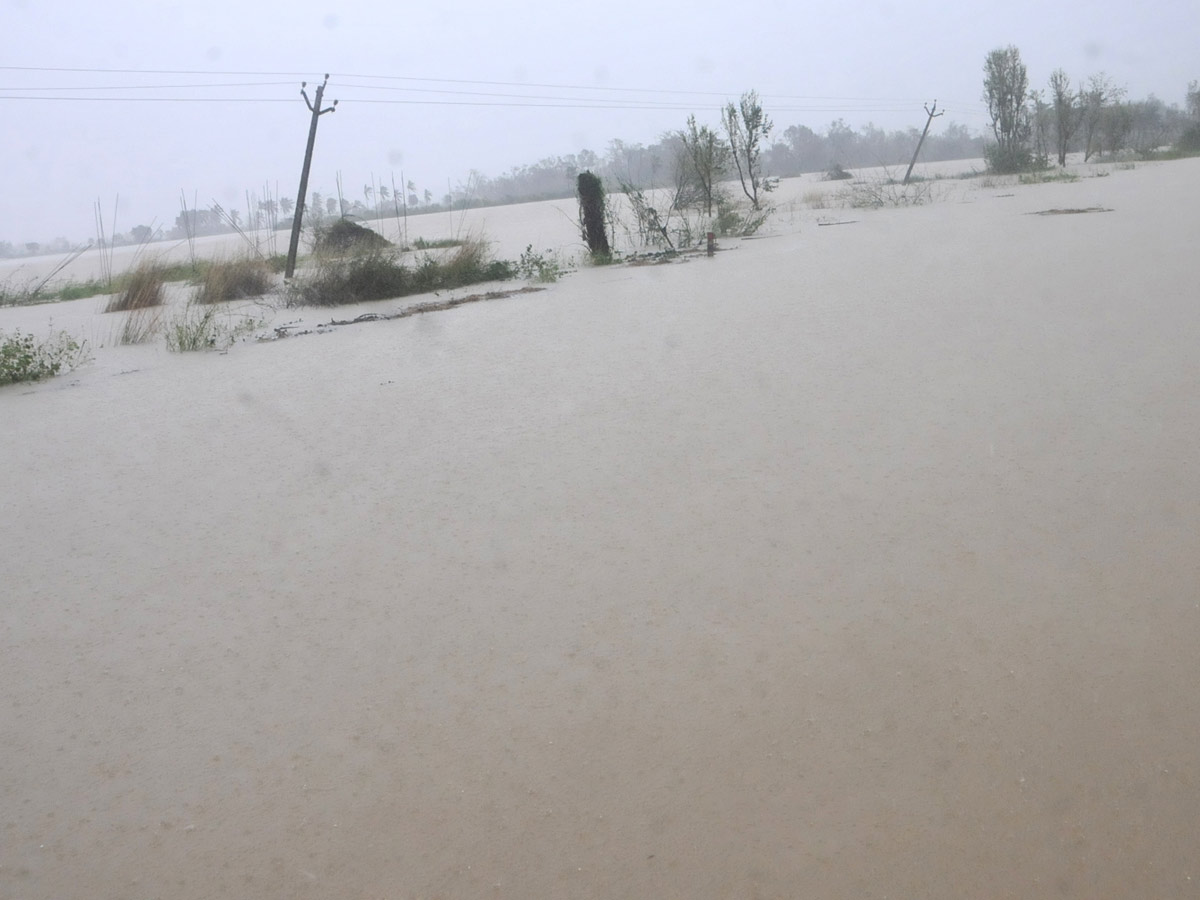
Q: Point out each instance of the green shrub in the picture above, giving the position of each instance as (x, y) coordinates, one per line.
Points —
(344, 236)
(336, 281)
(24, 358)
(1043, 177)
(730, 222)
(879, 193)
(1189, 141)
(1008, 161)
(205, 327)
(472, 263)
(537, 267)
(377, 274)
(234, 280)
(439, 244)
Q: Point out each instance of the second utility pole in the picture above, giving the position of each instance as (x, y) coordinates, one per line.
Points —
(317, 112)
(933, 114)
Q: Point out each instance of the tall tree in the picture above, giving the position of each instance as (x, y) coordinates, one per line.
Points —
(1068, 111)
(1005, 90)
(1100, 94)
(748, 128)
(703, 159)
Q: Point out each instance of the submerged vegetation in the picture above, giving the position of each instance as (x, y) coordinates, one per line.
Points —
(25, 358)
(234, 279)
(378, 273)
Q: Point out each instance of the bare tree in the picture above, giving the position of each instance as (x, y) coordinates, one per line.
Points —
(748, 128)
(1068, 112)
(1005, 89)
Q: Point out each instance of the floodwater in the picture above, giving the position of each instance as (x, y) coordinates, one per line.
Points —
(853, 562)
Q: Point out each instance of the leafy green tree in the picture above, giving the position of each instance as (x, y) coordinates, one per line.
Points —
(1005, 90)
(703, 159)
(748, 128)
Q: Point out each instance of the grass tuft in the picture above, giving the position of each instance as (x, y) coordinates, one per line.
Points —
(142, 287)
(139, 326)
(234, 280)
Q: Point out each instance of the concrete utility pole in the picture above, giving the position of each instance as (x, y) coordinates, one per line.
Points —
(933, 114)
(317, 112)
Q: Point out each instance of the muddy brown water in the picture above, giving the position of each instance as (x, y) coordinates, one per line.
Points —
(845, 564)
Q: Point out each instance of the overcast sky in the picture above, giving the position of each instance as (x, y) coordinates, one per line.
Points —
(487, 85)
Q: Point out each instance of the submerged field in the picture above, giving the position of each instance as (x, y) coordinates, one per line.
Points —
(853, 561)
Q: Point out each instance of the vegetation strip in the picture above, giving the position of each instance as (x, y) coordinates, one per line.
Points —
(1069, 212)
(282, 331)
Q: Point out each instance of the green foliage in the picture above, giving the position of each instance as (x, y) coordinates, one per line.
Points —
(1042, 177)
(77, 290)
(592, 215)
(24, 358)
(732, 222)
(344, 236)
(1189, 141)
(1005, 90)
(234, 280)
(748, 129)
(1001, 161)
(704, 157)
(335, 281)
(13, 294)
(879, 193)
(537, 267)
(438, 244)
(377, 274)
(204, 327)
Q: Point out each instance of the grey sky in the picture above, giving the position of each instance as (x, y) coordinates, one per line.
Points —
(59, 156)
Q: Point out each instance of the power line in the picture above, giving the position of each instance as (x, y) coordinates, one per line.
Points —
(159, 99)
(150, 87)
(463, 81)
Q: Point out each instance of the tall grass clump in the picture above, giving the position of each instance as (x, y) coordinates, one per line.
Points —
(470, 263)
(24, 358)
(139, 326)
(141, 288)
(234, 279)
